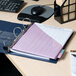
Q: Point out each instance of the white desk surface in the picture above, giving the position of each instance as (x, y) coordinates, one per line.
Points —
(31, 67)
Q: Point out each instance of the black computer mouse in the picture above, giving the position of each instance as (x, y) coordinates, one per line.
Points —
(37, 10)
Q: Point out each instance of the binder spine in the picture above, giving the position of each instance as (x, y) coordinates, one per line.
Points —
(66, 12)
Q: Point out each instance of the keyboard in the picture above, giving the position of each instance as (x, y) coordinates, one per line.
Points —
(11, 5)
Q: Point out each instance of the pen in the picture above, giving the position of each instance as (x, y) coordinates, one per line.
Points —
(73, 51)
(74, 55)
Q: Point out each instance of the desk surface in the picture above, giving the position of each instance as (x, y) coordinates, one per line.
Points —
(31, 67)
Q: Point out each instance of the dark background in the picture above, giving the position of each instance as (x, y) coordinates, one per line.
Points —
(7, 68)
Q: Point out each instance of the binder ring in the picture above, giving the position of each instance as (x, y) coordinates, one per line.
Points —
(24, 20)
(14, 30)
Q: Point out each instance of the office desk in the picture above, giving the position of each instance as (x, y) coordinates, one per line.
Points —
(31, 67)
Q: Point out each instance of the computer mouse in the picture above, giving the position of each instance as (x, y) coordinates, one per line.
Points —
(37, 10)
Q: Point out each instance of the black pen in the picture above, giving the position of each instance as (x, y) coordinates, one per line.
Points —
(73, 51)
(74, 55)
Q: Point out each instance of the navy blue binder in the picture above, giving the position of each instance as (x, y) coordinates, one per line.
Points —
(7, 37)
